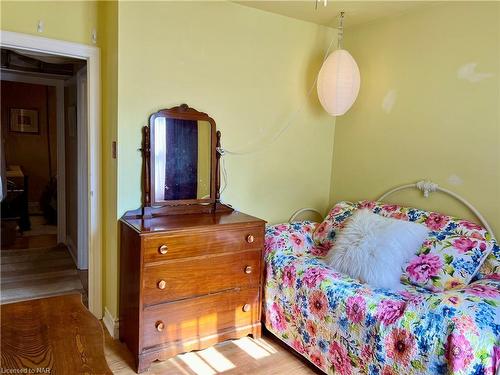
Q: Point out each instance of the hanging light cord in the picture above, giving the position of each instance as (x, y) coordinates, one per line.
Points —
(296, 113)
(223, 151)
(341, 30)
(224, 175)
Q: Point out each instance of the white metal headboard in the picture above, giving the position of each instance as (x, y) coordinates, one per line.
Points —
(428, 187)
(299, 211)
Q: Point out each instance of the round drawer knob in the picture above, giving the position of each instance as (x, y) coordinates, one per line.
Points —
(248, 269)
(161, 284)
(246, 307)
(159, 326)
(250, 238)
(163, 249)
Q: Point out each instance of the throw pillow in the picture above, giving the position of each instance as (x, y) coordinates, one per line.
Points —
(373, 248)
(324, 234)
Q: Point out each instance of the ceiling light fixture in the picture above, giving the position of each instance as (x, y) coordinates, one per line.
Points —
(339, 78)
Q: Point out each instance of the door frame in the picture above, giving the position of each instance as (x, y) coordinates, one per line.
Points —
(91, 54)
(82, 165)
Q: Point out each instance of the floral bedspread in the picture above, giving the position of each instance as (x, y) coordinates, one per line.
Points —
(345, 327)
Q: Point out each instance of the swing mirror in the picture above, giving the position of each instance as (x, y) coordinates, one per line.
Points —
(182, 157)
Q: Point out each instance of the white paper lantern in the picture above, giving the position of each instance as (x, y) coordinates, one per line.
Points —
(338, 82)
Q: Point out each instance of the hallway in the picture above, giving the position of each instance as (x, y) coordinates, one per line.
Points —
(36, 266)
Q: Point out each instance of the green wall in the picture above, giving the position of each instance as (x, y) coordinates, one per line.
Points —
(424, 111)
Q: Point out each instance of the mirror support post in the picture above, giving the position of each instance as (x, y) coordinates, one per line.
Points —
(217, 169)
(146, 170)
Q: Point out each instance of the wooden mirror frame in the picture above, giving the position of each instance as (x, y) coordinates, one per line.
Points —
(149, 206)
(182, 112)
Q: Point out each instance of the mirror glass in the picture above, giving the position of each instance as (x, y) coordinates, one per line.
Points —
(182, 158)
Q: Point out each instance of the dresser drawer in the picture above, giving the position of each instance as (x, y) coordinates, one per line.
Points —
(183, 278)
(204, 242)
(202, 316)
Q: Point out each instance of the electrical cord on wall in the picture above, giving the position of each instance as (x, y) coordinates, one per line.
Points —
(224, 175)
(223, 151)
(290, 122)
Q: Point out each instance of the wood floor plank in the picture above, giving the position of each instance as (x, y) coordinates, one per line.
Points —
(34, 250)
(33, 255)
(49, 287)
(57, 335)
(16, 277)
(35, 241)
(34, 273)
(41, 264)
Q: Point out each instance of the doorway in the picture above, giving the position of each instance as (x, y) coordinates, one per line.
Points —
(43, 99)
(79, 90)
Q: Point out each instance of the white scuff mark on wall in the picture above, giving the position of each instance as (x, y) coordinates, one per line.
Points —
(389, 100)
(468, 72)
(455, 180)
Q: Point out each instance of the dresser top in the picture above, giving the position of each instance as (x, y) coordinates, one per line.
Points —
(177, 222)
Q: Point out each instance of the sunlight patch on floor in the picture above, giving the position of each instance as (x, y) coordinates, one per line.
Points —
(198, 365)
(265, 345)
(178, 366)
(211, 362)
(215, 359)
(251, 348)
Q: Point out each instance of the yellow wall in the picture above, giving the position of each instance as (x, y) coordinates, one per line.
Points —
(108, 27)
(65, 20)
(434, 125)
(74, 21)
(249, 70)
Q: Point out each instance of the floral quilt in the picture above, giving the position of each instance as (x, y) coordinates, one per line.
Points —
(345, 327)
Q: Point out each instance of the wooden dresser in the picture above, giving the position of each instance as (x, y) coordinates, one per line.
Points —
(188, 282)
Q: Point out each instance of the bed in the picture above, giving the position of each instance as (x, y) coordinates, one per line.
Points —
(345, 327)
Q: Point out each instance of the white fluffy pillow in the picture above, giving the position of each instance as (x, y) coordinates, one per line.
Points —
(373, 248)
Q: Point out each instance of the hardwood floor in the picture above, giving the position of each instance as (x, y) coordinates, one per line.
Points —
(47, 269)
(28, 242)
(34, 266)
(37, 272)
(56, 335)
(40, 235)
(39, 226)
(264, 356)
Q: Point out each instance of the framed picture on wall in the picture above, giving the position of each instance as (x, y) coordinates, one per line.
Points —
(24, 121)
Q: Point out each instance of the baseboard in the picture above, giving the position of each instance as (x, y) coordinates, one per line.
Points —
(72, 249)
(111, 324)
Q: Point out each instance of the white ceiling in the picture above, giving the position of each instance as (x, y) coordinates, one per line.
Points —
(356, 12)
